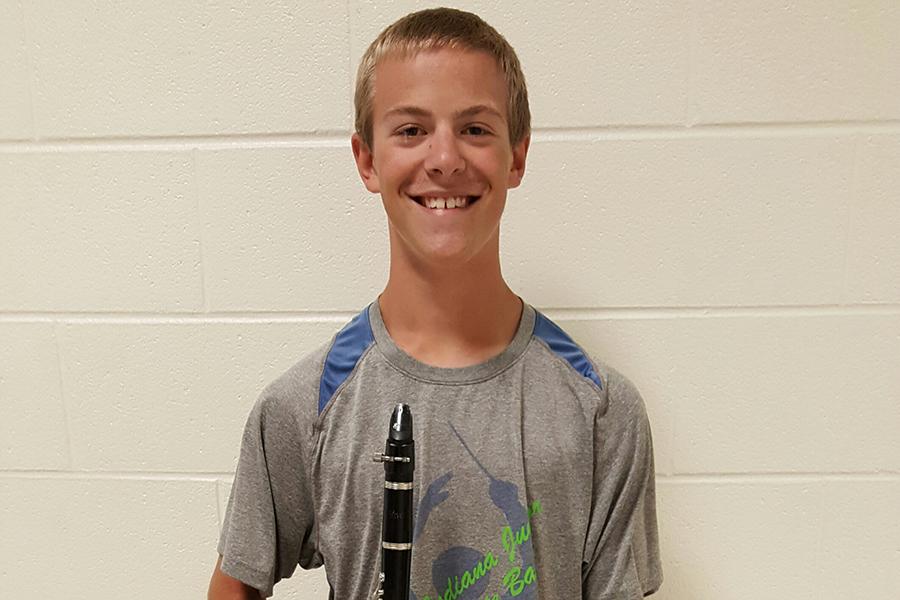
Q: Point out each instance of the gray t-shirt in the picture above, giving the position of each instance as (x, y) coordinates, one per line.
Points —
(534, 472)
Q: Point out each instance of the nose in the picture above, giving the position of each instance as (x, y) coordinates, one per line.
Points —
(444, 156)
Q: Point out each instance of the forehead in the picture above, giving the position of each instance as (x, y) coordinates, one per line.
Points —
(436, 80)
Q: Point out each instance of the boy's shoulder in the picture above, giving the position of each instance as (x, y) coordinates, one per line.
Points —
(611, 385)
(304, 388)
(294, 393)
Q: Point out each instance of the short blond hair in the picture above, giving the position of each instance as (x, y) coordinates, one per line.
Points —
(443, 28)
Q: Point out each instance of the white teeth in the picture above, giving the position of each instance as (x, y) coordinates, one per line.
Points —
(458, 202)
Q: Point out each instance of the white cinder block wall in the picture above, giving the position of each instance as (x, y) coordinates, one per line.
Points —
(711, 205)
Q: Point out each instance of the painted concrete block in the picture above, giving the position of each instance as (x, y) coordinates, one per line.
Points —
(100, 231)
(290, 229)
(170, 68)
(798, 61)
(733, 541)
(120, 538)
(15, 94)
(695, 222)
(33, 431)
(172, 397)
(873, 261)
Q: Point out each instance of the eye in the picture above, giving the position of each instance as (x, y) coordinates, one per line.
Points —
(476, 130)
(411, 131)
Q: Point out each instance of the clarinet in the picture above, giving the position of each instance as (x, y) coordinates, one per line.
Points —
(399, 460)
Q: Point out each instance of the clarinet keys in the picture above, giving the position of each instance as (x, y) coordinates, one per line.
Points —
(381, 458)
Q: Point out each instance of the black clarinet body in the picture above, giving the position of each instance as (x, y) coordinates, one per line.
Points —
(399, 460)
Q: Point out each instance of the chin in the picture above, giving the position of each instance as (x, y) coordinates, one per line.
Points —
(454, 253)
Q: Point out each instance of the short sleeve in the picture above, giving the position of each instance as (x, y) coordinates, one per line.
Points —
(269, 525)
(621, 554)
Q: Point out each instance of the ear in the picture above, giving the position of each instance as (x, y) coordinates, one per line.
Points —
(517, 169)
(365, 163)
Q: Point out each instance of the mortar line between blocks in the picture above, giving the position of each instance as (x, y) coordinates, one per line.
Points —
(852, 204)
(768, 478)
(690, 112)
(205, 476)
(29, 53)
(201, 222)
(693, 478)
(350, 70)
(573, 314)
(63, 396)
(341, 139)
(217, 490)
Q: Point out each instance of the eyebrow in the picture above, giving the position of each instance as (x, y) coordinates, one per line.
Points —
(421, 112)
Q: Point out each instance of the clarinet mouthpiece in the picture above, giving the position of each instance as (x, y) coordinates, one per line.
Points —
(401, 427)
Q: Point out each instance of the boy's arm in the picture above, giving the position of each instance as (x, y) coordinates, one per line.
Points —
(224, 587)
(621, 558)
(269, 523)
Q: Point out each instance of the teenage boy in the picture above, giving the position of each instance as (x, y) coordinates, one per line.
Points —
(534, 463)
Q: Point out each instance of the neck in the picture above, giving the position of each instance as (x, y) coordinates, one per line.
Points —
(450, 316)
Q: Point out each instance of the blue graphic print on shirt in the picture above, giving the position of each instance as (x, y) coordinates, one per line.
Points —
(458, 560)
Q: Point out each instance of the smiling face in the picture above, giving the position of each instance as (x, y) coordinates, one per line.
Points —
(441, 156)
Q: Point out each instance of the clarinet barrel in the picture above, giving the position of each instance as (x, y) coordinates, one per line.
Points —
(397, 524)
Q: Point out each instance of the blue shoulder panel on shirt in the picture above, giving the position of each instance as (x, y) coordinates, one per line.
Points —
(348, 347)
(560, 342)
